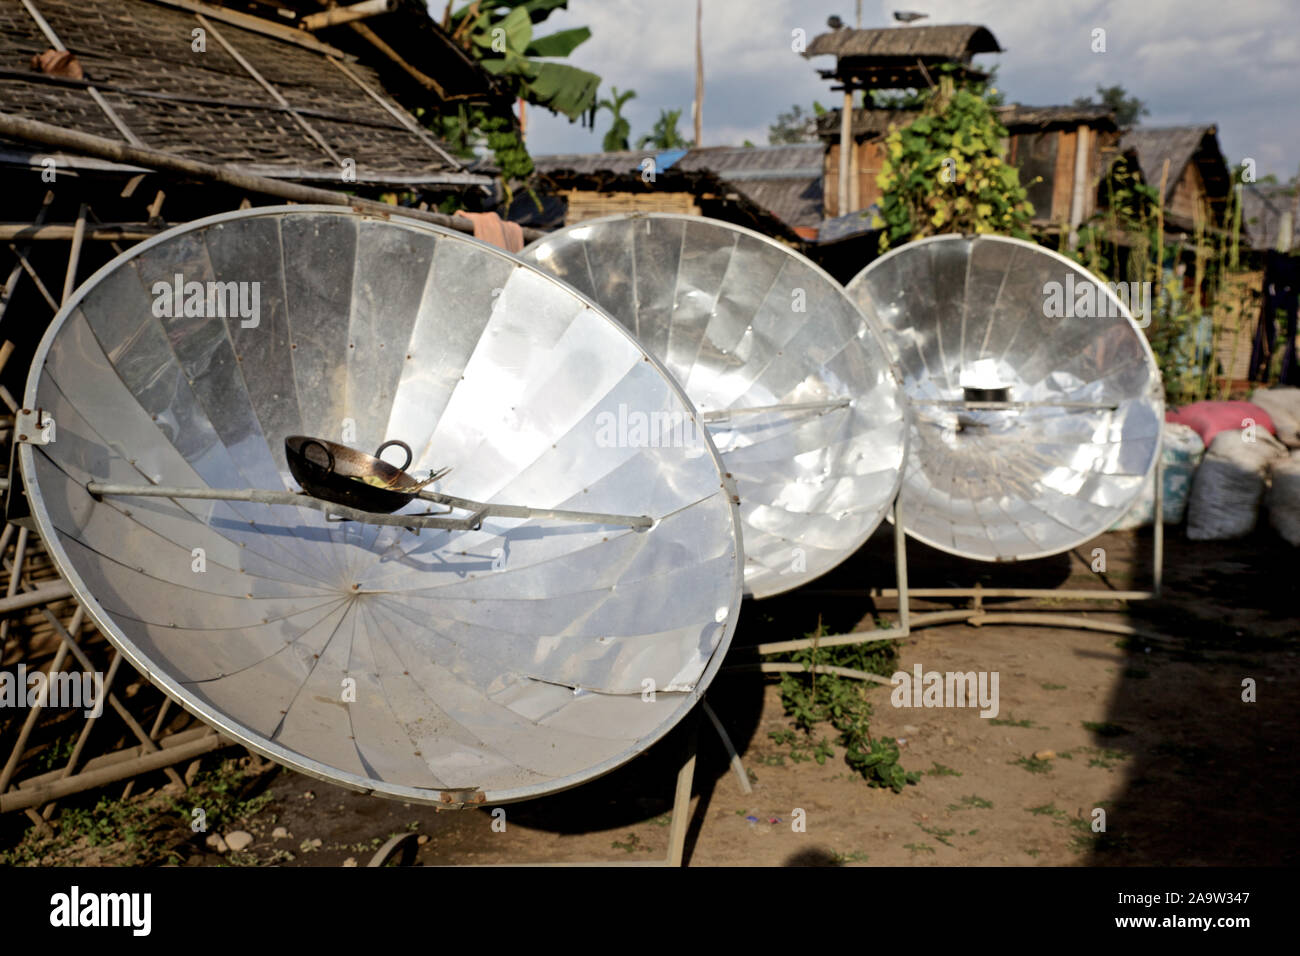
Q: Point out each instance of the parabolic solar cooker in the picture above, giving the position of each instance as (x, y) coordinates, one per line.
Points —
(477, 620)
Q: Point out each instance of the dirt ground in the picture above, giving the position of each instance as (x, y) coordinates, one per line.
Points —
(1152, 730)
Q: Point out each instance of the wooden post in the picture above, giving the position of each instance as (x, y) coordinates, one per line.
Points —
(699, 73)
(846, 143)
(1080, 182)
(1160, 230)
(681, 818)
(855, 187)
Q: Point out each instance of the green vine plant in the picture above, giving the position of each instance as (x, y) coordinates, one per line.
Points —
(1195, 304)
(810, 698)
(944, 171)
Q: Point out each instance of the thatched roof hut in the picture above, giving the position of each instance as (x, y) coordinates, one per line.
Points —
(901, 57)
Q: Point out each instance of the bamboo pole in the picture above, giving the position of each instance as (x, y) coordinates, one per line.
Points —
(259, 25)
(856, 638)
(154, 731)
(1060, 620)
(77, 748)
(1076, 594)
(769, 667)
(26, 232)
(44, 594)
(74, 255)
(1160, 229)
(15, 574)
(116, 757)
(103, 148)
(428, 82)
(337, 15)
(1198, 271)
(36, 279)
(6, 294)
(90, 779)
(29, 724)
(70, 641)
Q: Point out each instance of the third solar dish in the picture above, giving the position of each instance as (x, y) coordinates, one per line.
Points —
(795, 384)
(1037, 401)
(477, 596)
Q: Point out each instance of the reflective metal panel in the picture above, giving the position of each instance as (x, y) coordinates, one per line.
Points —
(1037, 402)
(744, 322)
(494, 664)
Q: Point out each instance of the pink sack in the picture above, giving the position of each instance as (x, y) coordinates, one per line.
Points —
(1207, 419)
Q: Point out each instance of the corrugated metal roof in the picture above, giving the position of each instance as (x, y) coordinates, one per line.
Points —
(784, 180)
(734, 162)
(796, 202)
(617, 163)
(723, 160)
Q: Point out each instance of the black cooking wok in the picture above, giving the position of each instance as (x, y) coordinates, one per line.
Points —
(345, 476)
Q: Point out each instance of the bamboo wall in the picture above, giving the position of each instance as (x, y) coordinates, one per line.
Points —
(584, 204)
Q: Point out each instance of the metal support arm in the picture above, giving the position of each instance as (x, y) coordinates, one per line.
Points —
(478, 509)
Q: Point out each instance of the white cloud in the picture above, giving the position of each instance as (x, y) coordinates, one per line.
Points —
(1191, 61)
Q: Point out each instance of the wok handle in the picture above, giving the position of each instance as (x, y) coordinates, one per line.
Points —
(311, 441)
(379, 452)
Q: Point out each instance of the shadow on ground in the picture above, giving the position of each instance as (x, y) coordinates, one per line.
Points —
(1212, 779)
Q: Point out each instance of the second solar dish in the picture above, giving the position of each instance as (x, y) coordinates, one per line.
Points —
(1037, 403)
(794, 384)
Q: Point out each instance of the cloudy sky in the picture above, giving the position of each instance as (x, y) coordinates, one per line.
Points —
(1192, 62)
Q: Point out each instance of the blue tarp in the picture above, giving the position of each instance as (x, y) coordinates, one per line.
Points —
(666, 159)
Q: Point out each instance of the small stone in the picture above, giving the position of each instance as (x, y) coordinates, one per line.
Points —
(1045, 755)
(280, 833)
(214, 842)
(309, 795)
(350, 861)
(239, 839)
(422, 839)
(911, 729)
